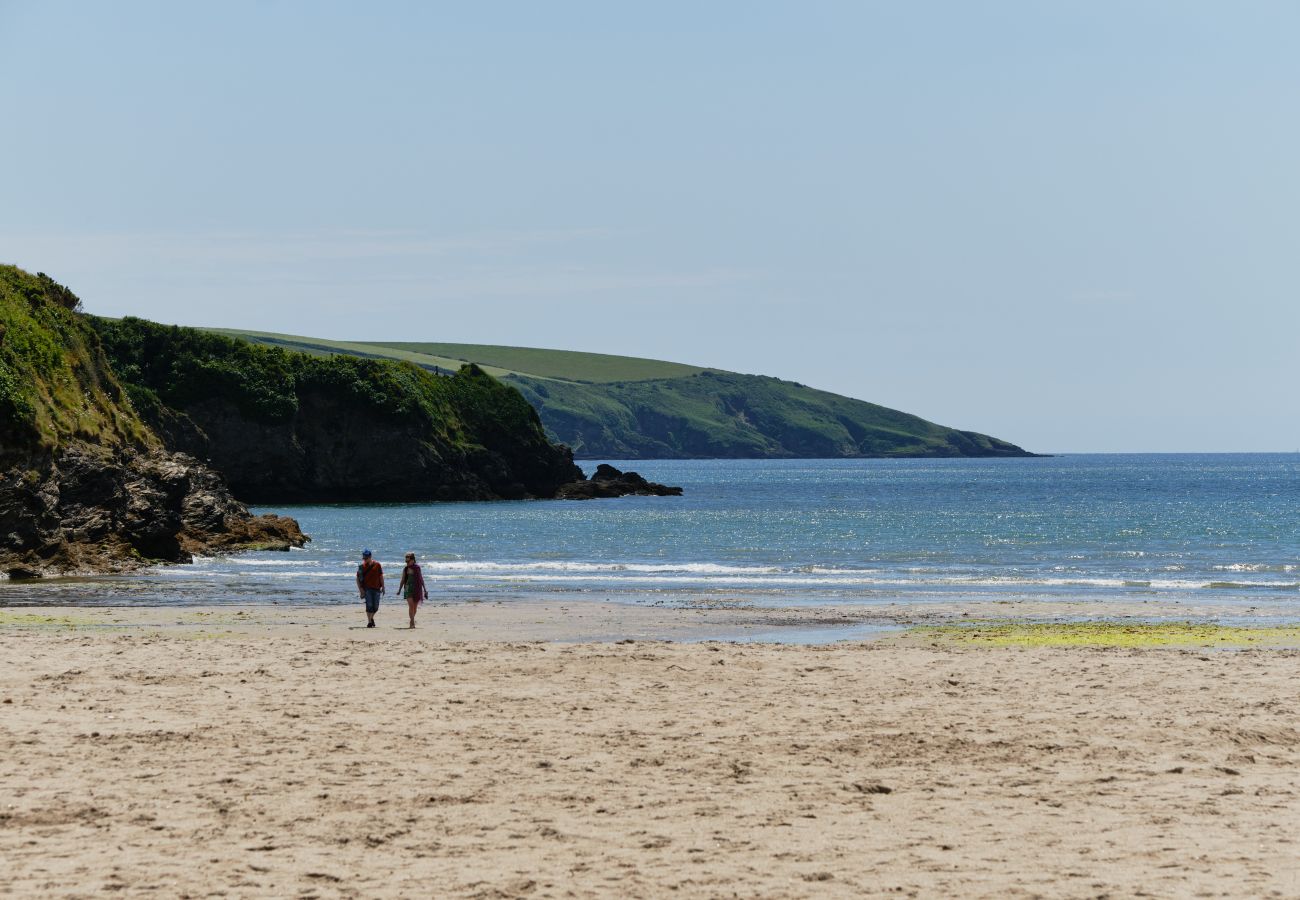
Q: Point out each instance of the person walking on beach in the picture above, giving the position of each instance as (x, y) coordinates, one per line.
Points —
(370, 585)
(412, 586)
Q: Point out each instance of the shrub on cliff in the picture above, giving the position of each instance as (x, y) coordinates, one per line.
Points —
(58, 294)
(183, 367)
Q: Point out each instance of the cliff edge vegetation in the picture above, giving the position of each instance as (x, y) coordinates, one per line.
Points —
(285, 426)
(85, 483)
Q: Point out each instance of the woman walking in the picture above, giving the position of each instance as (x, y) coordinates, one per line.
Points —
(412, 586)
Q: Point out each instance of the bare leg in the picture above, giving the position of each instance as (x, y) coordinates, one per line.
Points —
(411, 603)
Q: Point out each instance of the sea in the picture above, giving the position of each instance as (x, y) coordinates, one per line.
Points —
(1220, 530)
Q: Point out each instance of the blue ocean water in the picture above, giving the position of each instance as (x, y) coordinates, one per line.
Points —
(1218, 528)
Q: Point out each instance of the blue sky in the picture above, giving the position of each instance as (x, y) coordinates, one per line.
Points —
(1071, 225)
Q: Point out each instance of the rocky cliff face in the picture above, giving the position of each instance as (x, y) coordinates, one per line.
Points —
(335, 449)
(287, 427)
(85, 485)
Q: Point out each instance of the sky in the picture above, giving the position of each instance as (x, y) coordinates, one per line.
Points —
(1072, 225)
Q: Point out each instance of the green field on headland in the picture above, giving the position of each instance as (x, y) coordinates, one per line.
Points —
(606, 406)
(561, 365)
(566, 365)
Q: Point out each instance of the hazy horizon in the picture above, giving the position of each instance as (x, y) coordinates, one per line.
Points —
(1068, 226)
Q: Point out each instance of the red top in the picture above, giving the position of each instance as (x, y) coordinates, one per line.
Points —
(372, 575)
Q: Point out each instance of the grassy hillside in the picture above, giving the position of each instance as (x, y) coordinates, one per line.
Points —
(55, 384)
(722, 414)
(568, 365)
(624, 407)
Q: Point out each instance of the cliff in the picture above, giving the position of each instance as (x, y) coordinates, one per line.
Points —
(284, 426)
(85, 484)
(624, 407)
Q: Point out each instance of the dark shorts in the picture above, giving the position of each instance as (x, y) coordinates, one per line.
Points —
(372, 600)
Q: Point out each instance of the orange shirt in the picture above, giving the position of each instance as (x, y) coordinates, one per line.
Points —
(372, 575)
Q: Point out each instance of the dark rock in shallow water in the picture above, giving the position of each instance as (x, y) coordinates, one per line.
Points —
(610, 482)
(89, 509)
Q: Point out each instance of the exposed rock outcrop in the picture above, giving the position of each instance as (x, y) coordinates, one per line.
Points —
(608, 481)
(92, 509)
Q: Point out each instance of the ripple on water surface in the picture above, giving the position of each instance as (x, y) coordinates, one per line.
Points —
(1218, 529)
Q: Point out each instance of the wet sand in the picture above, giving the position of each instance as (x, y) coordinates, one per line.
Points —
(275, 752)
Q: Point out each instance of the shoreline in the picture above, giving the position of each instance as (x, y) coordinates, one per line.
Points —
(582, 620)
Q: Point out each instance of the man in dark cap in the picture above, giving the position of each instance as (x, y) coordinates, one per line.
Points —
(370, 584)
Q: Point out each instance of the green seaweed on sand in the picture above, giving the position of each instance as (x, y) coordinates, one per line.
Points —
(1106, 634)
(11, 619)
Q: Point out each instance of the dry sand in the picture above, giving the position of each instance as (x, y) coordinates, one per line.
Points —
(220, 752)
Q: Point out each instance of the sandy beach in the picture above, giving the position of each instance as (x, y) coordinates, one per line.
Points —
(257, 752)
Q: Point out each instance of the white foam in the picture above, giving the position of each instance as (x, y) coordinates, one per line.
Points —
(698, 574)
(595, 568)
(250, 561)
